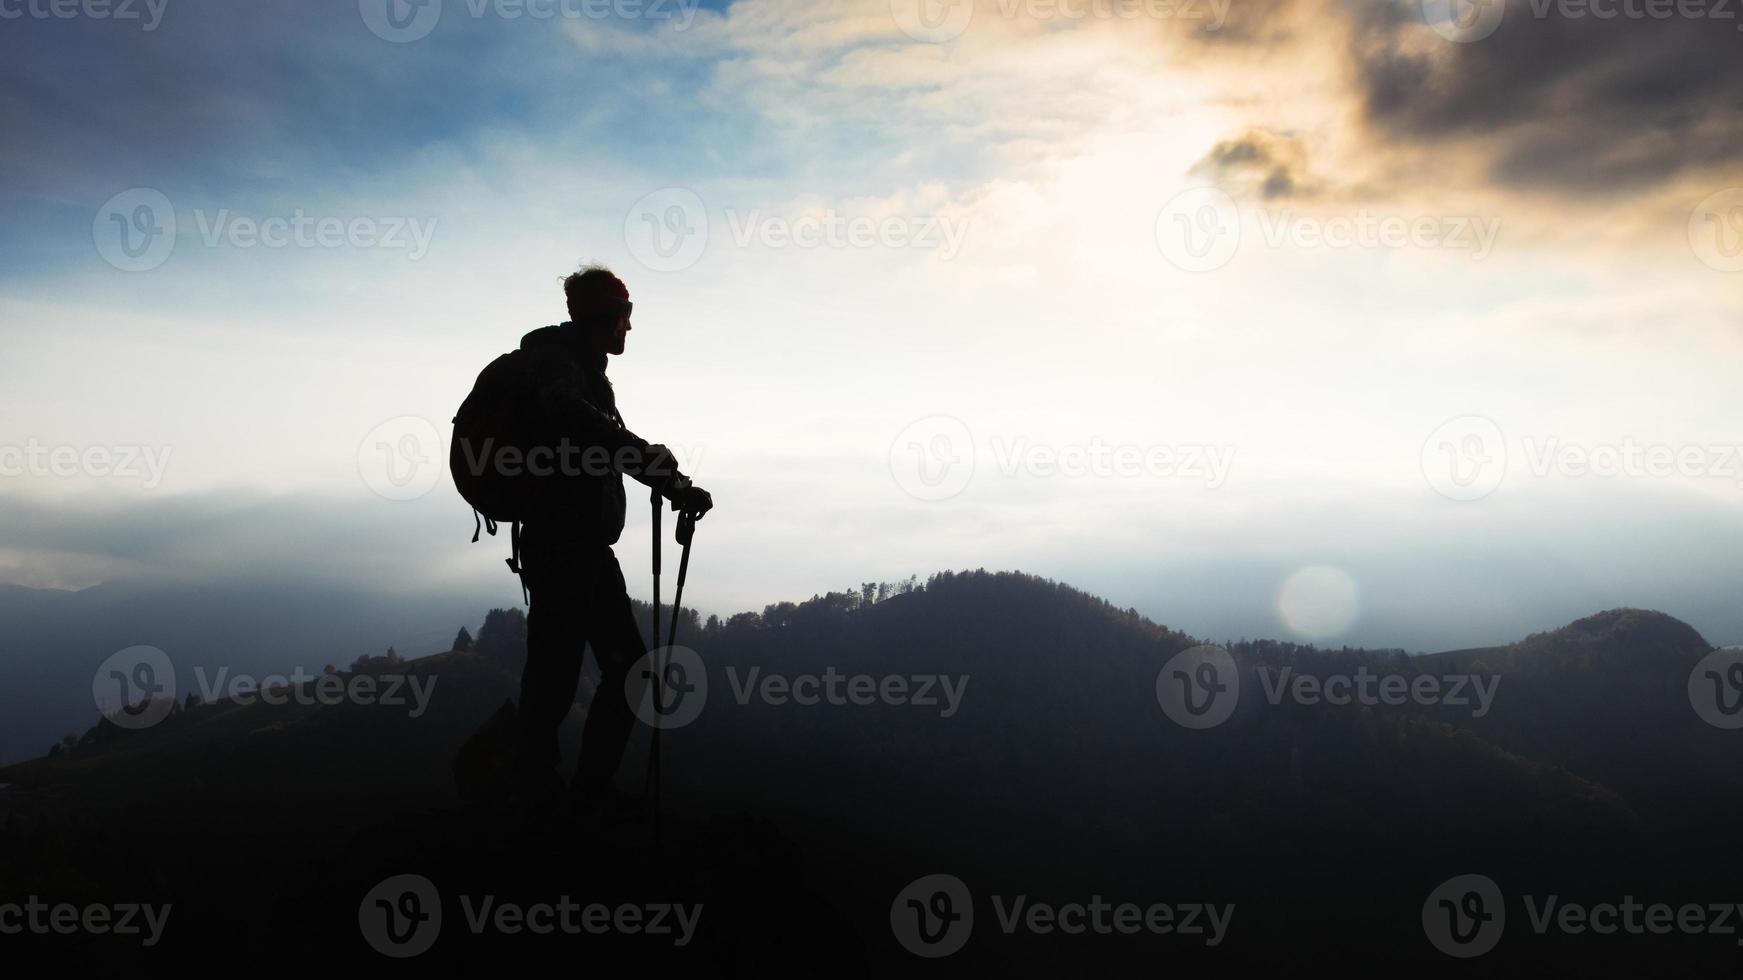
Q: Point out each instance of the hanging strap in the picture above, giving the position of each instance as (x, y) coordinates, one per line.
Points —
(480, 523)
(514, 562)
(488, 526)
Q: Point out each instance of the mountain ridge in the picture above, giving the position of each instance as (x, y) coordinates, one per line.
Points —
(1059, 772)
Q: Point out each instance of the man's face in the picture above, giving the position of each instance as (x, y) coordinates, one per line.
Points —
(608, 336)
(614, 341)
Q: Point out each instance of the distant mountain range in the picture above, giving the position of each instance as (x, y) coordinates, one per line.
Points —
(1025, 749)
(53, 641)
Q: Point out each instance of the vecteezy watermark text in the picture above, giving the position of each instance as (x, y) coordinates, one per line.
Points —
(1202, 229)
(136, 688)
(1465, 21)
(1466, 916)
(934, 916)
(1365, 687)
(404, 21)
(1103, 460)
(934, 458)
(33, 459)
(830, 229)
(571, 918)
(668, 687)
(669, 230)
(149, 13)
(938, 21)
(303, 230)
(35, 916)
(137, 230)
(835, 688)
(401, 917)
(1467, 458)
(303, 688)
(1199, 687)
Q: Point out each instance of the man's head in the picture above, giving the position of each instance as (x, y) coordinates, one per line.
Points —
(599, 307)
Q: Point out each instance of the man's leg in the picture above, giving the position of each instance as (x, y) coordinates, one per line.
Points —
(617, 645)
(560, 591)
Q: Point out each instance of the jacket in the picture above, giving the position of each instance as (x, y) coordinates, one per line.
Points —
(576, 401)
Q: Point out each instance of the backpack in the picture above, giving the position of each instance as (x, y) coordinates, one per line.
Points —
(496, 426)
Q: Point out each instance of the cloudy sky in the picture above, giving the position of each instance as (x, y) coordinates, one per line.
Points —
(1357, 321)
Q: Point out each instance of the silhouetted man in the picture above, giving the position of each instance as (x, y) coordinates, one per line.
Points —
(576, 589)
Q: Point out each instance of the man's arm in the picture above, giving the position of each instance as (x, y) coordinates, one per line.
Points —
(562, 397)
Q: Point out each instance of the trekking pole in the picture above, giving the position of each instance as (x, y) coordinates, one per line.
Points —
(686, 528)
(651, 776)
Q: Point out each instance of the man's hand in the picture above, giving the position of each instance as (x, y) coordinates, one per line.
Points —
(694, 500)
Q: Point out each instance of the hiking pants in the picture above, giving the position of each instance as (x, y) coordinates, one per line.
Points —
(576, 597)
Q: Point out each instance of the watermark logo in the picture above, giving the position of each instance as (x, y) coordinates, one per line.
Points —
(135, 231)
(1464, 21)
(567, 458)
(1716, 231)
(1636, 10)
(38, 917)
(1370, 689)
(325, 689)
(404, 21)
(940, 21)
(832, 687)
(829, 228)
(1465, 458)
(400, 21)
(1202, 229)
(401, 459)
(1465, 916)
(401, 917)
(33, 459)
(149, 13)
(933, 458)
(1103, 460)
(1199, 687)
(300, 229)
(135, 688)
(932, 21)
(933, 916)
(1199, 229)
(1716, 688)
(667, 230)
(667, 687)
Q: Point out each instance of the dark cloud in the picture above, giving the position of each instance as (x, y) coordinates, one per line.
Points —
(1570, 104)
(1261, 163)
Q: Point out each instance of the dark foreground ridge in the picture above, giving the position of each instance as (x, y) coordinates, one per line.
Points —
(1039, 764)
